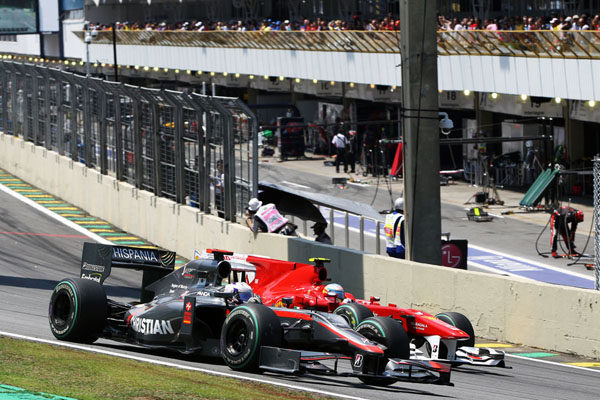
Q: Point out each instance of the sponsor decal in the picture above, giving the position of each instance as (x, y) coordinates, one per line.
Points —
(149, 326)
(93, 267)
(358, 361)
(188, 306)
(418, 325)
(203, 293)
(138, 255)
(187, 317)
(451, 255)
(92, 277)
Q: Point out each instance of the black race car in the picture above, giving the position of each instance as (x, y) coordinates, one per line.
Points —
(189, 310)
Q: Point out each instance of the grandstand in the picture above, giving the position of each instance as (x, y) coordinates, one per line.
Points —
(492, 83)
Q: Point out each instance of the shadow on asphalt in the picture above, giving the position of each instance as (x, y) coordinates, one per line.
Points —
(49, 284)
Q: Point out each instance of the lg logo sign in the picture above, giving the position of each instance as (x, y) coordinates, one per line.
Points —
(451, 255)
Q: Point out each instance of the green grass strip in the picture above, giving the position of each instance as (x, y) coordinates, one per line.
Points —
(68, 212)
(95, 225)
(88, 376)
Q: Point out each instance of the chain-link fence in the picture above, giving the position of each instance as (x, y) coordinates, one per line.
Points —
(190, 148)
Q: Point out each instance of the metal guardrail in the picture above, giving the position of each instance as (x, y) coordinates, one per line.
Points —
(544, 44)
(193, 149)
(347, 41)
(355, 231)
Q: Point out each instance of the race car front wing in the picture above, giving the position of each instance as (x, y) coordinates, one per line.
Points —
(297, 362)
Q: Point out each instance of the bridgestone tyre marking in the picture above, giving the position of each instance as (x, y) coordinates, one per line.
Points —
(375, 323)
(72, 296)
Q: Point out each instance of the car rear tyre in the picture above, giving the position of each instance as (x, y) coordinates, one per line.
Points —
(353, 313)
(389, 333)
(245, 330)
(461, 322)
(77, 310)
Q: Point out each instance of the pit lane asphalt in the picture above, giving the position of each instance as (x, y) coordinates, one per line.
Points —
(513, 235)
(31, 265)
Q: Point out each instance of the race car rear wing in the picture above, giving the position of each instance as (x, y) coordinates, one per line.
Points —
(97, 261)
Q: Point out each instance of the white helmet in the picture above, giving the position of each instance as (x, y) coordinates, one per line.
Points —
(243, 290)
(254, 204)
(528, 144)
(399, 204)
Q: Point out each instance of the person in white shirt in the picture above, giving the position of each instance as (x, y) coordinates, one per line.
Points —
(340, 142)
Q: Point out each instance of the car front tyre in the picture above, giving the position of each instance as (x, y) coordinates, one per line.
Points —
(246, 329)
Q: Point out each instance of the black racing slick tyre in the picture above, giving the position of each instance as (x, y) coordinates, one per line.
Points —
(461, 322)
(353, 313)
(246, 329)
(77, 310)
(391, 334)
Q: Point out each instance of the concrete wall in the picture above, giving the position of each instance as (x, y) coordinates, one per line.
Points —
(507, 309)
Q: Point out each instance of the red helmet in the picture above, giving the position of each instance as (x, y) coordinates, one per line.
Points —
(579, 215)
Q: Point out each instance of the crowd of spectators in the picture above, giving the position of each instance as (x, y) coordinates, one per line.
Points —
(518, 23)
(524, 23)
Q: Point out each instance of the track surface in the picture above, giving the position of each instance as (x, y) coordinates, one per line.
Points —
(31, 264)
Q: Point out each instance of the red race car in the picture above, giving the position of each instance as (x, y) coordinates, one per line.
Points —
(448, 336)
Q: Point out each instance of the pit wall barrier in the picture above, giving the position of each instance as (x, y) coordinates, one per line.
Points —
(501, 308)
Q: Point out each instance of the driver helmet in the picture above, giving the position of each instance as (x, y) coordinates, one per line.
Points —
(579, 216)
(334, 290)
(399, 204)
(254, 204)
(243, 290)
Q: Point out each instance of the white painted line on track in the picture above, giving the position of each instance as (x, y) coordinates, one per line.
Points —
(500, 271)
(358, 185)
(93, 349)
(553, 363)
(564, 271)
(54, 215)
(296, 185)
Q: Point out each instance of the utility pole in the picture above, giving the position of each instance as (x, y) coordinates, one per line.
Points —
(421, 130)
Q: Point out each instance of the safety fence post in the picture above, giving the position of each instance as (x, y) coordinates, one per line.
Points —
(361, 229)
(346, 230)
(377, 239)
(597, 221)
(331, 226)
